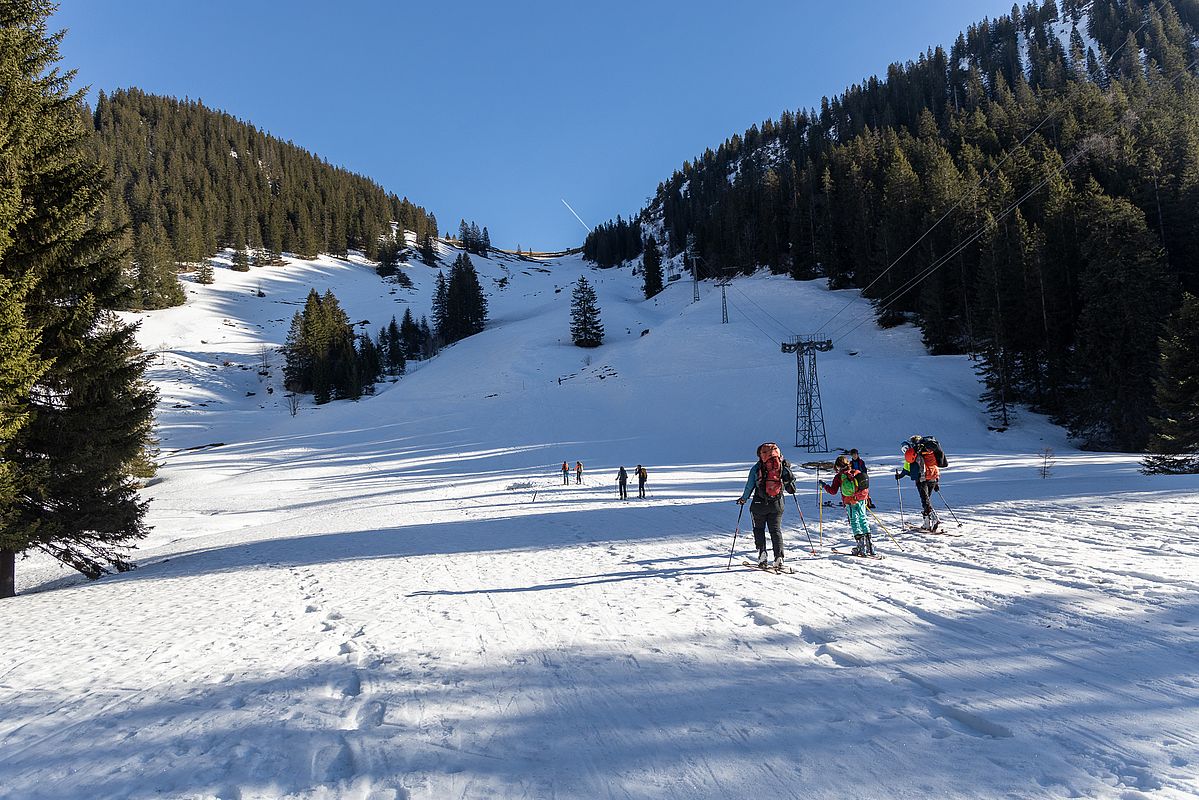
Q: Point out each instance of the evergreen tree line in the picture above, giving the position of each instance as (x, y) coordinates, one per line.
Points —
(75, 409)
(613, 243)
(323, 354)
(188, 180)
(459, 305)
(1061, 290)
(472, 239)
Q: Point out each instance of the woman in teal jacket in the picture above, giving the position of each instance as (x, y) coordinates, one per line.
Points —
(768, 478)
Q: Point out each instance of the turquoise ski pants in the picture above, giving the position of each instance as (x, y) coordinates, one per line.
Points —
(857, 519)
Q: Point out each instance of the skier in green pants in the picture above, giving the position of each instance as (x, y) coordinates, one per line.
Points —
(854, 488)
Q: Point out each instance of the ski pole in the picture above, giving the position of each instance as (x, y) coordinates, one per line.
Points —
(955, 516)
(820, 508)
(735, 532)
(812, 547)
(884, 527)
(899, 492)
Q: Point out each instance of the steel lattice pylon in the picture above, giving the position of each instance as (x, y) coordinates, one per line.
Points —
(809, 414)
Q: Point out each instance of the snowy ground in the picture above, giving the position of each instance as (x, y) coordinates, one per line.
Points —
(397, 598)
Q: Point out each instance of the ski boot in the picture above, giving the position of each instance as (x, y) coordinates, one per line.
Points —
(762, 561)
(858, 551)
(778, 563)
(935, 522)
(927, 524)
(869, 545)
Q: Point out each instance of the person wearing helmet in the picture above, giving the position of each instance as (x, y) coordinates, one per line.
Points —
(767, 480)
(920, 464)
(854, 487)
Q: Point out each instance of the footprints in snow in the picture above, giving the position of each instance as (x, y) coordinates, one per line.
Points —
(339, 761)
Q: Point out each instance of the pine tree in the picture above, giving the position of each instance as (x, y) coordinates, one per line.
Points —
(651, 261)
(465, 303)
(441, 310)
(586, 329)
(156, 283)
(20, 369)
(70, 490)
(410, 334)
(241, 260)
(428, 250)
(1174, 446)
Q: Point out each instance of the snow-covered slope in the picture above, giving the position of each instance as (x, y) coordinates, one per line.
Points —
(399, 598)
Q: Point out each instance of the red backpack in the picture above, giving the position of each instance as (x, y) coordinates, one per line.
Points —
(770, 477)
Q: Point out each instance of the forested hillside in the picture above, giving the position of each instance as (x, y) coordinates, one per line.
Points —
(1052, 157)
(188, 180)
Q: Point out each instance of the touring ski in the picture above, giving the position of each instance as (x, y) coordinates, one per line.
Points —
(856, 555)
(769, 568)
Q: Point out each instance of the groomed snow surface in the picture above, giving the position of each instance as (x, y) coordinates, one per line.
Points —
(398, 598)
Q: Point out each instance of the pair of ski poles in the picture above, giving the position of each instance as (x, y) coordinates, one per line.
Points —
(948, 507)
(812, 547)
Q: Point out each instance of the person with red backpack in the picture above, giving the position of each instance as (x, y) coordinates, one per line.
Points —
(854, 487)
(922, 462)
(768, 478)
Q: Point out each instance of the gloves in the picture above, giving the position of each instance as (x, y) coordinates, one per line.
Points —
(898, 475)
(824, 486)
(740, 501)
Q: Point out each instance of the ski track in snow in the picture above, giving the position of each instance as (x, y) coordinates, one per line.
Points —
(399, 599)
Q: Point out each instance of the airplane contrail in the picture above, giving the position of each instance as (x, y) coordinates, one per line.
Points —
(580, 219)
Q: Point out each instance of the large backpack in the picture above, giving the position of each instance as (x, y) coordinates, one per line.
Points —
(770, 479)
(930, 443)
(772, 482)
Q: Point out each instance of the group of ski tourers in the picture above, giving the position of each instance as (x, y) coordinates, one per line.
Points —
(772, 475)
(622, 478)
(622, 481)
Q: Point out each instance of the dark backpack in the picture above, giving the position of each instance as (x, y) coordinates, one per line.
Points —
(930, 443)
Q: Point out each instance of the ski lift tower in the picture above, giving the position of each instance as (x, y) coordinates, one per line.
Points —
(690, 254)
(724, 300)
(809, 414)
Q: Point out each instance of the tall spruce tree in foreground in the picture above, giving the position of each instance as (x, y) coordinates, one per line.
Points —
(1174, 447)
(586, 329)
(651, 262)
(69, 491)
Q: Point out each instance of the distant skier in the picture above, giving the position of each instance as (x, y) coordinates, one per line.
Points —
(565, 474)
(768, 478)
(578, 472)
(642, 477)
(622, 480)
(857, 463)
(854, 487)
(920, 464)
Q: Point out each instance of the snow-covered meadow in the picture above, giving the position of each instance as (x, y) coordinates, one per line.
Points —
(398, 598)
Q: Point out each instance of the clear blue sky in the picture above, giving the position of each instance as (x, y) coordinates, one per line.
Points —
(496, 110)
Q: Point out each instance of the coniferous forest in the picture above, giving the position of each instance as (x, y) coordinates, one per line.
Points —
(186, 180)
(1027, 196)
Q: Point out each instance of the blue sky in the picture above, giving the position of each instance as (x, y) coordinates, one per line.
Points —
(497, 111)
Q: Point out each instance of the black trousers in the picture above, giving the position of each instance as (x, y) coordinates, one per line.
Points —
(926, 489)
(640, 489)
(624, 490)
(775, 523)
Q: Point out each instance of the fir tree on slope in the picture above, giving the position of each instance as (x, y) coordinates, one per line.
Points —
(586, 329)
(651, 262)
(320, 354)
(69, 488)
(1174, 447)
